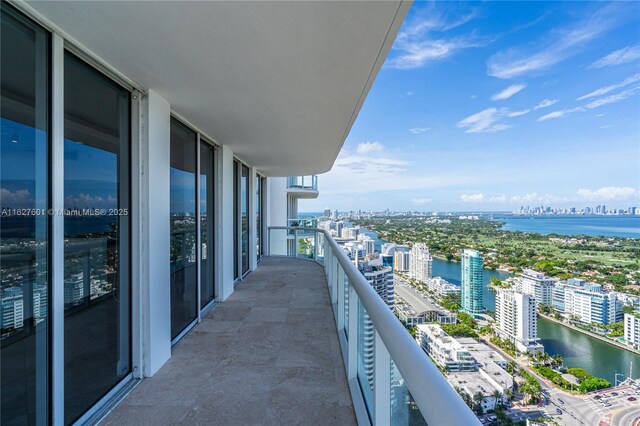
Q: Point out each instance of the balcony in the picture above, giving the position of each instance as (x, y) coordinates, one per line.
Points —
(304, 339)
(302, 186)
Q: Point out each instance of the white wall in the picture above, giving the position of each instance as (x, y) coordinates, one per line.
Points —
(277, 201)
(155, 233)
(224, 247)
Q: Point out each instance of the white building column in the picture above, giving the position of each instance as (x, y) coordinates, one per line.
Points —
(154, 233)
(277, 201)
(224, 244)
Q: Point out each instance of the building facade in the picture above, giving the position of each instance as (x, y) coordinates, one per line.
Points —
(516, 319)
(538, 285)
(472, 287)
(420, 262)
(632, 330)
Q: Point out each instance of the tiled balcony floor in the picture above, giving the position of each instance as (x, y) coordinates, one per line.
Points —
(268, 355)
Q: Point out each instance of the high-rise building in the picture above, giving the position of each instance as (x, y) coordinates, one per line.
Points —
(326, 213)
(632, 329)
(335, 215)
(516, 319)
(402, 261)
(471, 278)
(381, 279)
(420, 262)
(538, 285)
(591, 305)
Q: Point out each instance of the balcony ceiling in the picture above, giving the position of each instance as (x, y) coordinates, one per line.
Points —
(280, 83)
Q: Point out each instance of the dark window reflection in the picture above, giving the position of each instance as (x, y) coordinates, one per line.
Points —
(236, 218)
(206, 223)
(184, 296)
(259, 190)
(96, 226)
(24, 290)
(244, 217)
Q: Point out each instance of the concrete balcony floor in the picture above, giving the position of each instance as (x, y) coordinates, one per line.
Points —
(267, 355)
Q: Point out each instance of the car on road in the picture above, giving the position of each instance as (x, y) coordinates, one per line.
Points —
(597, 397)
(558, 411)
(560, 401)
(614, 393)
(631, 398)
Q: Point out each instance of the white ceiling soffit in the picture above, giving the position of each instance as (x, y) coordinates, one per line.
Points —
(280, 83)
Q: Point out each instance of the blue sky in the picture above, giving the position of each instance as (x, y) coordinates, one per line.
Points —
(490, 106)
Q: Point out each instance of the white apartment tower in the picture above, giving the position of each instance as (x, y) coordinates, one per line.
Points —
(538, 285)
(516, 319)
(402, 261)
(420, 262)
(632, 330)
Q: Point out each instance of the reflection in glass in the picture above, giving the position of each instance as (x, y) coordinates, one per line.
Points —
(24, 289)
(259, 216)
(404, 410)
(96, 227)
(236, 219)
(244, 218)
(184, 296)
(206, 224)
(365, 358)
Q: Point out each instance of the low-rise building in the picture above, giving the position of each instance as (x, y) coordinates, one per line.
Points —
(447, 352)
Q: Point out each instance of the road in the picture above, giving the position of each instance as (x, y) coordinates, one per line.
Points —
(412, 296)
(626, 417)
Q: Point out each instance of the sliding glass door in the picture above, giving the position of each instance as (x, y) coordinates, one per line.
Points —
(244, 218)
(184, 287)
(24, 225)
(96, 228)
(207, 190)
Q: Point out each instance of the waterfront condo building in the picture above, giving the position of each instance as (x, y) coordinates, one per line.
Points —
(632, 330)
(538, 285)
(446, 351)
(516, 319)
(590, 304)
(402, 261)
(471, 298)
(420, 262)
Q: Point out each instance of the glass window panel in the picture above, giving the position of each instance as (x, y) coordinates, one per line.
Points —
(404, 410)
(24, 156)
(206, 224)
(258, 216)
(366, 357)
(244, 218)
(236, 217)
(96, 227)
(184, 296)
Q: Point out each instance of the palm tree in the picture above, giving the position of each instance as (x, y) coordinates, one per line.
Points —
(512, 367)
(508, 393)
(497, 395)
(557, 359)
(477, 399)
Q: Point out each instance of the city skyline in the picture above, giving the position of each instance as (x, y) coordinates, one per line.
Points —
(496, 106)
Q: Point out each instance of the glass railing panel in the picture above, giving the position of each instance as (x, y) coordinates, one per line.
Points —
(404, 410)
(346, 306)
(366, 358)
(320, 244)
(305, 244)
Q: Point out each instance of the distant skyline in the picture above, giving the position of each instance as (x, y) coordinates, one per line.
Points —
(493, 106)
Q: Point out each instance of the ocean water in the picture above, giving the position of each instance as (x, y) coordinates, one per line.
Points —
(608, 226)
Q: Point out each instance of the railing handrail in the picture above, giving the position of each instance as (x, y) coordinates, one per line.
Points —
(436, 398)
(300, 182)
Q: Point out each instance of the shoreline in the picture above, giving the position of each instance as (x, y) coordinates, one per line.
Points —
(591, 334)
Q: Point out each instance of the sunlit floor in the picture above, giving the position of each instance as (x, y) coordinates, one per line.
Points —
(267, 355)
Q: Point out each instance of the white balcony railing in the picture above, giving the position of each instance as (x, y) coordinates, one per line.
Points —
(391, 379)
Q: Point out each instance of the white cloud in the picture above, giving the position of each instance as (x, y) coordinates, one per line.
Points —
(89, 201)
(534, 197)
(472, 198)
(605, 90)
(485, 121)
(409, 93)
(609, 193)
(499, 199)
(424, 40)
(418, 130)
(420, 201)
(16, 199)
(508, 92)
(560, 113)
(560, 45)
(518, 113)
(545, 103)
(368, 147)
(613, 98)
(621, 56)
